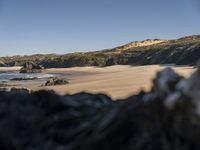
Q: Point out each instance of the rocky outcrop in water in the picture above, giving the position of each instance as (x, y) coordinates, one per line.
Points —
(166, 118)
(56, 81)
(30, 67)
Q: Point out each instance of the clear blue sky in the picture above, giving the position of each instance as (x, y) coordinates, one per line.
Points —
(62, 26)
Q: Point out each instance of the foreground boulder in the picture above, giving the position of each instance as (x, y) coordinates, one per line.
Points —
(29, 67)
(56, 81)
(166, 118)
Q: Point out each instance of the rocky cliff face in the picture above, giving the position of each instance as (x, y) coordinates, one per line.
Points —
(183, 51)
(166, 118)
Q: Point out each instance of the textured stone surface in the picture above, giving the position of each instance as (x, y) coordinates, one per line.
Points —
(29, 67)
(166, 118)
(56, 81)
(183, 51)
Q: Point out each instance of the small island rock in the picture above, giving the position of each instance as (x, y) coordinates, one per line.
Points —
(56, 81)
(30, 67)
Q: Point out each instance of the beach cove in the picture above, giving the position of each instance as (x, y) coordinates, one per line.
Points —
(118, 81)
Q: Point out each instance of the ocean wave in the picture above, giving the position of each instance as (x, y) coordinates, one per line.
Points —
(10, 76)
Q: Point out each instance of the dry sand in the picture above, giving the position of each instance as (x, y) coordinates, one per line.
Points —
(116, 81)
(2, 69)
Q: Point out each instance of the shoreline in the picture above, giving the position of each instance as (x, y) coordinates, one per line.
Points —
(119, 81)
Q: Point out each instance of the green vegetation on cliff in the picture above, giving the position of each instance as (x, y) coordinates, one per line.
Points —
(183, 51)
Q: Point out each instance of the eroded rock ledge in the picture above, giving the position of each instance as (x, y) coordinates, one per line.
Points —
(166, 118)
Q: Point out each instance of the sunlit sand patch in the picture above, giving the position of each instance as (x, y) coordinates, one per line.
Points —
(118, 81)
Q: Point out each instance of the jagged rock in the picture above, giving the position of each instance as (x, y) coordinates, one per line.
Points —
(165, 82)
(56, 81)
(190, 87)
(45, 121)
(20, 89)
(2, 64)
(31, 68)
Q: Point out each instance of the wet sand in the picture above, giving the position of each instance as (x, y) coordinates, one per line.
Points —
(117, 81)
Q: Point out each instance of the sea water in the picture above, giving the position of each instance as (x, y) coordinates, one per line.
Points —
(11, 75)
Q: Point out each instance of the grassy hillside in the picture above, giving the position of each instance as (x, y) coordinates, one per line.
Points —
(183, 51)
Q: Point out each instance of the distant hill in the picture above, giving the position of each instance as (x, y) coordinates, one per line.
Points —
(183, 51)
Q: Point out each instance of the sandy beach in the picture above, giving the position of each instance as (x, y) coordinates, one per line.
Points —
(5, 69)
(116, 81)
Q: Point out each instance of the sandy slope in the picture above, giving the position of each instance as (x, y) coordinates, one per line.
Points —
(117, 81)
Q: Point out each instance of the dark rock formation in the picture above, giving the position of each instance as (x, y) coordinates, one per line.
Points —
(2, 64)
(29, 67)
(20, 89)
(166, 118)
(183, 51)
(56, 81)
(21, 79)
(15, 89)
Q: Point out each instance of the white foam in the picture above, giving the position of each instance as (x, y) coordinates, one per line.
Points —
(9, 76)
